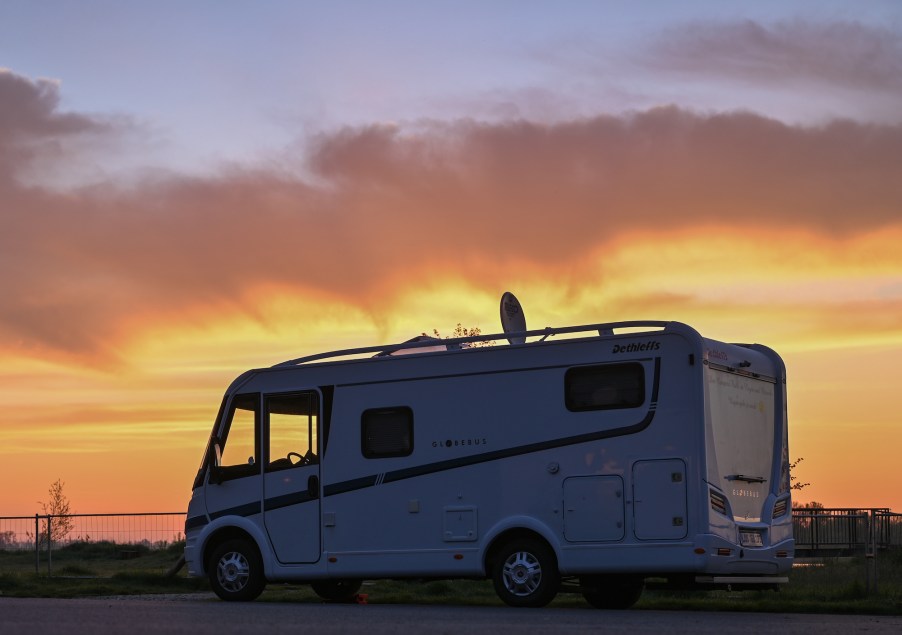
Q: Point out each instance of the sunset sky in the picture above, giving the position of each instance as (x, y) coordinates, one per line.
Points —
(188, 190)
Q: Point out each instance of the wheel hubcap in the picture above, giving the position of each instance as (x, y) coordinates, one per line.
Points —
(522, 573)
(233, 571)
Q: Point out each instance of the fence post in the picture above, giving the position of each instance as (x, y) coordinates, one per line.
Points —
(815, 521)
(852, 529)
(872, 547)
(49, 546)
(37, 545)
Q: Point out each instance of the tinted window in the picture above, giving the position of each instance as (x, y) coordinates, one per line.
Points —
(387, 432)
(240, 441)
(604, 387)
(291, 424)
(240, 453)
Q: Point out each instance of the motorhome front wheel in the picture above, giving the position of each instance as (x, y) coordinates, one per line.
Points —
(236, 571)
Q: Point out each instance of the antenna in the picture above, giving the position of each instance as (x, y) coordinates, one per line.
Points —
(512, 318)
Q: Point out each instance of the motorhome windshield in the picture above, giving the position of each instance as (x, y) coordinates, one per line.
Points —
(741, 412)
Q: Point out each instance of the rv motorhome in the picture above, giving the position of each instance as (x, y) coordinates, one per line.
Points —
(597, 459)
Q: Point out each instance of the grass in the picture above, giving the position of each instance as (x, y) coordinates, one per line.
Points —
(85, 569)
(99, 569)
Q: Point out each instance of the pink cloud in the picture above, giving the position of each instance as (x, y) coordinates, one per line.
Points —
(389, 203)
(846, 54)
(31, 124)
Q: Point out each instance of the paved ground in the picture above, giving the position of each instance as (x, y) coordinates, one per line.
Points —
(203, 615)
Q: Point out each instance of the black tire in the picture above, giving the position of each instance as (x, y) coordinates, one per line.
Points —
(236, 571)
(336, 590)
(525, 573)
(612, 593)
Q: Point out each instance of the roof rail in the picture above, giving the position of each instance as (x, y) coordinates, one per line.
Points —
(602, 329)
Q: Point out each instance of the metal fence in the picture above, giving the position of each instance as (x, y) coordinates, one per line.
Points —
(129, 533)
(830, 531)
(42, 531)
(841, 531)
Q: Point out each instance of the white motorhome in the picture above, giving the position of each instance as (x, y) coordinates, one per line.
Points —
(586, 458)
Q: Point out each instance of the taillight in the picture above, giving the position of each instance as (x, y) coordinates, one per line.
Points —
(780, 508)
(718, 503)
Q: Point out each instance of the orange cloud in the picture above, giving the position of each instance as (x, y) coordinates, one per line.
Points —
(742, 226)
(387, 205)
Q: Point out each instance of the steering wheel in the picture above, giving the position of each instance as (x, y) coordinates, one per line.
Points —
(301, 459)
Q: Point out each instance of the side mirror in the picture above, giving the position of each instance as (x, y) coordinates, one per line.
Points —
(215, 469)
(217, 452)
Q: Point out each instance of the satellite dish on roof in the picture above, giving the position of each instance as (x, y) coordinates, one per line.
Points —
(512, 318)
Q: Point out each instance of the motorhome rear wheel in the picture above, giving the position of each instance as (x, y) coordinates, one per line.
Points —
(525, 573)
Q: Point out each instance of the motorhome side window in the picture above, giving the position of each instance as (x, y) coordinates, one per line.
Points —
(240, 451)
(291, 425)
(604, 387)
(386, 432)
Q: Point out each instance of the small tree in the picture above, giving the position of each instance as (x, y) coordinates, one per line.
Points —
(800, 486)
(57, 509)
(792, 466)
(462, 331)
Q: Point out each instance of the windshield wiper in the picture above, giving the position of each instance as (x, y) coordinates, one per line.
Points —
(747, 479)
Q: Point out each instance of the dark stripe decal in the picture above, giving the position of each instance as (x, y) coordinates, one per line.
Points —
(248, 509)
(655, 383)
(287, 500)
(441, 466)
(349, 486)
(297, 498)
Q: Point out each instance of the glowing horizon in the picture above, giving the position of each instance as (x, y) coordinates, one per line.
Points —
(157, 415)
(325, 182)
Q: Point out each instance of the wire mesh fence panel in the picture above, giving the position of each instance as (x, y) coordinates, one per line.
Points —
(153, 530)
(17, 533)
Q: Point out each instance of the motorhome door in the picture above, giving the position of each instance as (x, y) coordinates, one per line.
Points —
(291, 479)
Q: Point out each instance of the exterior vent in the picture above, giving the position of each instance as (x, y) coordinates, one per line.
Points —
(718, 503)
(780, 508)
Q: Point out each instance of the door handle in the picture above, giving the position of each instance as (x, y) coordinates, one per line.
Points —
(313, 486)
